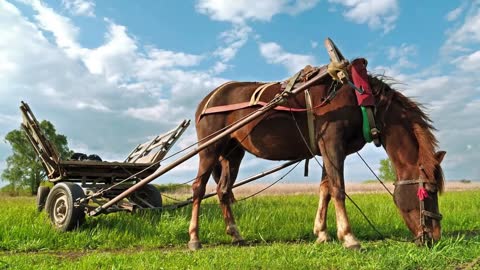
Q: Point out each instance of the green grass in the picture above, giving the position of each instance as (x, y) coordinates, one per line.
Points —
(278, 230)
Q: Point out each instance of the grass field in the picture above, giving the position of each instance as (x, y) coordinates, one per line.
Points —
(277, 228)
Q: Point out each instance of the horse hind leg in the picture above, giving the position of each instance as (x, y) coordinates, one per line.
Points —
(207, 161)
(320, 228)
(230, 164)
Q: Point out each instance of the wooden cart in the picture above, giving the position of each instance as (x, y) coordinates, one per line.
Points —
(76, 179)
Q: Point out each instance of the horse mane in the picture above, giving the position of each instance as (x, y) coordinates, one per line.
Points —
(422, 126)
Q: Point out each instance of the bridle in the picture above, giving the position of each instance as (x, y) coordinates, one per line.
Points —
(422, 194)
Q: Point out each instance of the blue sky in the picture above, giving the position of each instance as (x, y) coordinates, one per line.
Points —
(110, 74)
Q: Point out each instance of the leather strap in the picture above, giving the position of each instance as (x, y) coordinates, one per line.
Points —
(310, 121)
(292, 81)
(408, 182)
(258, 92)
(374, 132)
(432, 215)
(215, 93)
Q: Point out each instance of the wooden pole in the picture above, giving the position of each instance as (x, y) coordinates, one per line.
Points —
(241, 183)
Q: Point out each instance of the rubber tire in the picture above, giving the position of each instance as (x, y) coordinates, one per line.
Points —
(149, 193)
(74, 216)
(42, 194)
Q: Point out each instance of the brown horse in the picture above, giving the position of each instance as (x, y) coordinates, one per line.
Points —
(406, 135)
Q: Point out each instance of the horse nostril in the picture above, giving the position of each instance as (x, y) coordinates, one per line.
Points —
(426, 239)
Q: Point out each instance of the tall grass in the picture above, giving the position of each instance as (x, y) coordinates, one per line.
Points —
(279, 228)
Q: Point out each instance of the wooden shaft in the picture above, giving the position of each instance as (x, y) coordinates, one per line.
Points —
(255, 177)
(241, 183)
(261, 111)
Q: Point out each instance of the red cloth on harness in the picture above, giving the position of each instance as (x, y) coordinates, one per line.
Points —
(360, 79)
(422, 193)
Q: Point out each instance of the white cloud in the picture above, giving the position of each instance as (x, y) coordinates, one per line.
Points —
(377, 14)
(61, 27)
(275, 54)
(402, 54)
(80, 7)
(454, 14)
(218, 68)
(241, 11)
(114, 58)
(234, 39)
(167, 59)
(93, 104)
(160, 112)
(93, 95)
(470, 62)
(463, 37)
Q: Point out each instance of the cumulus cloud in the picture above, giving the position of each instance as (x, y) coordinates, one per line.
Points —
(239, 13)
(462, 38)
(275, 54)
(101, 97)
(80, 7)
(243, 10)
(61, 27)
(402, 54)
(468, 62)
(377, 14)
(234, 39)
(454, 14)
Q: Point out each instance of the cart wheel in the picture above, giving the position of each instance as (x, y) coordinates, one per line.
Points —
(42, 194)
(148, 193)
(60, 206)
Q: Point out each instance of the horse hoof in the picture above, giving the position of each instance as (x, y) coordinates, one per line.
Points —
(194, 245)
(239, 243)
(322, 238)
(353, 246)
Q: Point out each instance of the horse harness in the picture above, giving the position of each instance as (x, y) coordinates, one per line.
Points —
(422, 194)
(369, 129)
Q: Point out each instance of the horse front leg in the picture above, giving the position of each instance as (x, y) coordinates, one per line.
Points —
(333, 160)
(320, 228)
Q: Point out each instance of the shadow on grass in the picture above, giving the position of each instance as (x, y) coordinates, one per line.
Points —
(467, 234)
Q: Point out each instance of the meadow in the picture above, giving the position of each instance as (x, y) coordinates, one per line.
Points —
(278, 230)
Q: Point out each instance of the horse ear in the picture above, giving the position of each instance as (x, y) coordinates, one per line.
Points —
(365, 62)
(440, 155)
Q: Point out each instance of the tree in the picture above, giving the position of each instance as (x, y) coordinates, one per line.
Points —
(24, 169)
(387, 171)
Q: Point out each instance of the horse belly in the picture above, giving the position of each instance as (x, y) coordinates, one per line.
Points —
(275, 138)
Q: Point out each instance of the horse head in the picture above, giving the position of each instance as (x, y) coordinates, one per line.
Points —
(407, 136)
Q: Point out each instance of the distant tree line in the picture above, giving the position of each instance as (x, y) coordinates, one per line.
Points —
(387, 171)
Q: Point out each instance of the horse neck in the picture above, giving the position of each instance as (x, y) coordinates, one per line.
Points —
(407, 133)
(400, 136)
(402, 149)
